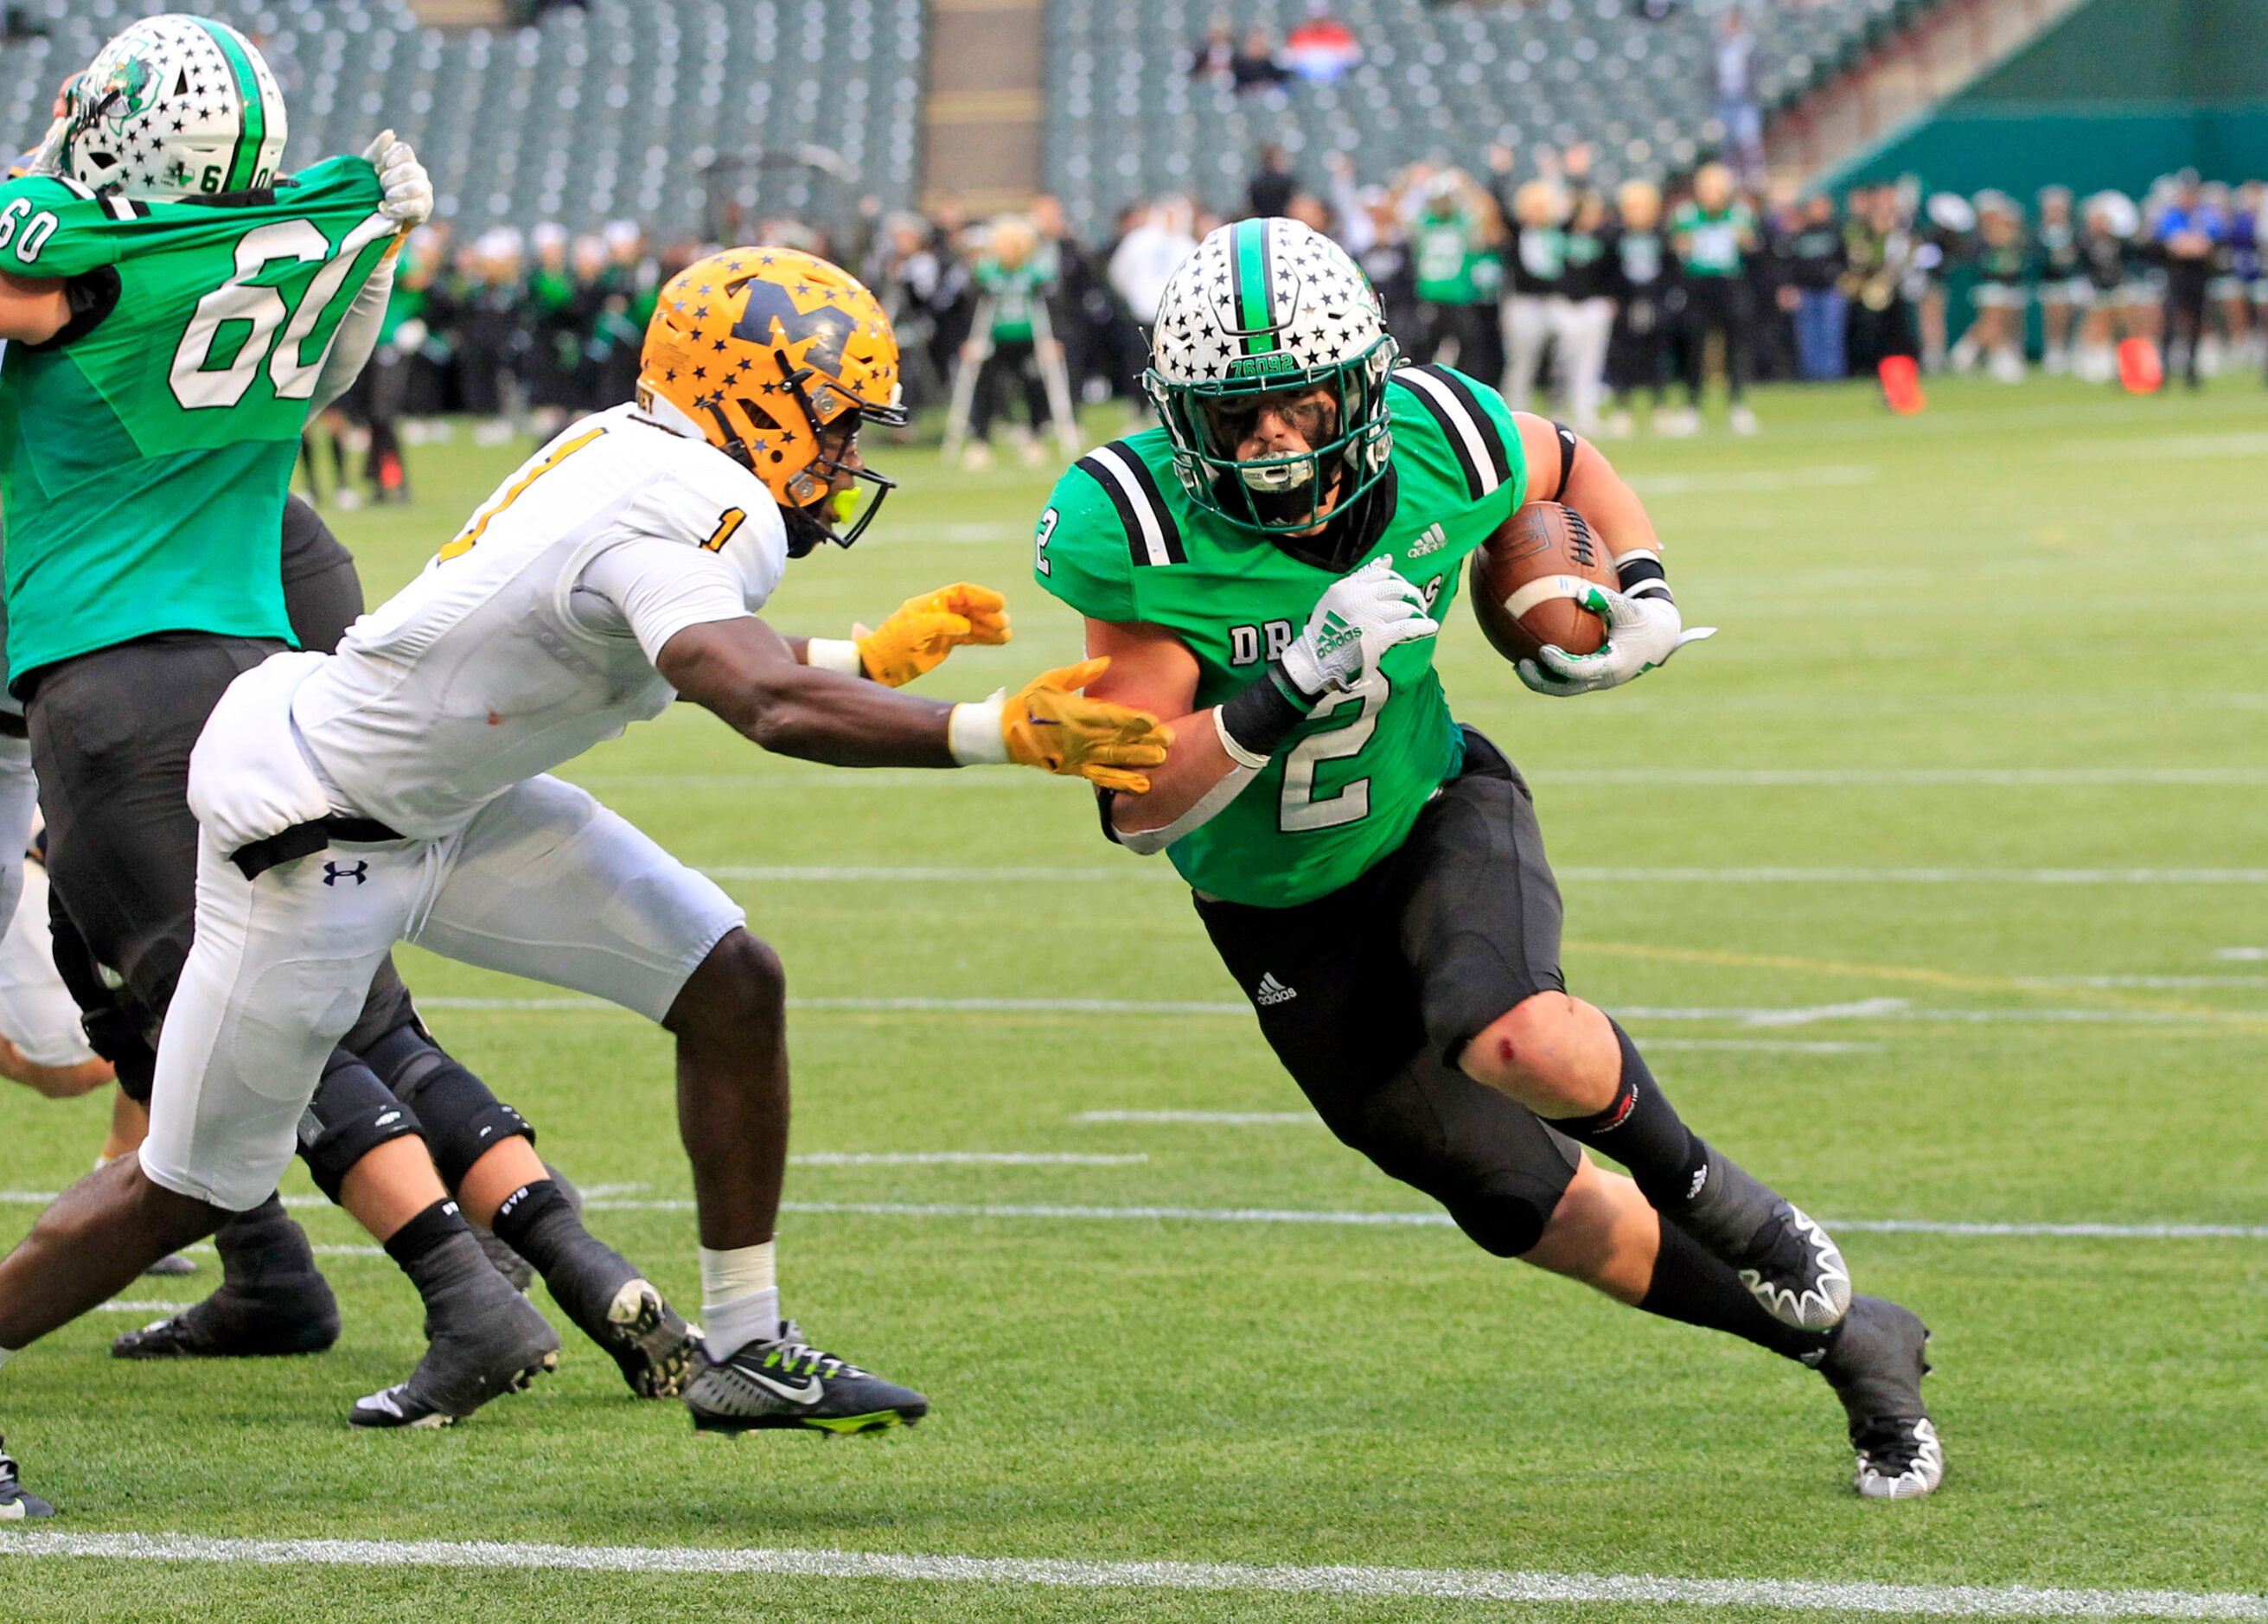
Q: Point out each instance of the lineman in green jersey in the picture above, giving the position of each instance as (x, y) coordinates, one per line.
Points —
(1268, 568)
(169, 345)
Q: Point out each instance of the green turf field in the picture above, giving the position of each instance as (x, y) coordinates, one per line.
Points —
(1937, 886)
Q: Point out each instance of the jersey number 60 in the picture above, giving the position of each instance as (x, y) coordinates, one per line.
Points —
(199, 385)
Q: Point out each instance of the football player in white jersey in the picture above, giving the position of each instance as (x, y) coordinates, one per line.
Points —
(398, 790)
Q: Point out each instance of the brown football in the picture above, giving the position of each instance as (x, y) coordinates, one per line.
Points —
(1526, 578)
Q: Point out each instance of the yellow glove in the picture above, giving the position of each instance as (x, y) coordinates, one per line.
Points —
(922, 631)
(1049, 724)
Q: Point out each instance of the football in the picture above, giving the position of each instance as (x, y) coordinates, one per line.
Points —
(1526, 579)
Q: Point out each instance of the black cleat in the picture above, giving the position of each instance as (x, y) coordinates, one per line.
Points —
(17, 1504)
(237, 1324)
(648, 1340)
(786, 1383)
(494, 1343)
(1875, 1367)
(1787, 1262)
(517, 1270)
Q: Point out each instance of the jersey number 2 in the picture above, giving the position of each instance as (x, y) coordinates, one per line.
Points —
(1300, 811)
(258, 312)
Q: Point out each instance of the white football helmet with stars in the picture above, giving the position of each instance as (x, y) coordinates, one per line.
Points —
(175, 106)
(1265, 306)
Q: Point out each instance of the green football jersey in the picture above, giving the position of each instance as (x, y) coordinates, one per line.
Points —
(1713, 241)
(1445, 247)
(145, 461)
(1120, 541)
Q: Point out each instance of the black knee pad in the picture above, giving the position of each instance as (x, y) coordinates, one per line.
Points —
(1505, 1216)
(352, 1114)
(1494, 1164)
(463, 1119)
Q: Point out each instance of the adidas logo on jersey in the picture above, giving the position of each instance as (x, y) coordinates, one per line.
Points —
(1435, 539)
(1271, 991)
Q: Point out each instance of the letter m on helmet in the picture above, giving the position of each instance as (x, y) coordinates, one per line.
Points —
(770, 302)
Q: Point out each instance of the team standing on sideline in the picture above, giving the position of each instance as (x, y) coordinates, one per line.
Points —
(1526, 274)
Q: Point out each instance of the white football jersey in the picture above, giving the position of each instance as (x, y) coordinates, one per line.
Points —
(531, 636)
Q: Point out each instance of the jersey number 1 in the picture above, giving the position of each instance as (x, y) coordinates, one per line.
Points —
(198, 383)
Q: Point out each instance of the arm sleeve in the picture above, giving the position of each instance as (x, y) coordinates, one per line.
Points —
(1081, 552)
(661, 587)
(354, 338)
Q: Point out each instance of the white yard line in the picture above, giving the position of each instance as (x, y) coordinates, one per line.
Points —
(1441, 1220)
(1131, 871)
(1884, 1009)
(1970, 1601)
(1732, 778)
(961, 1158)
(1207, 1119)
(2157, 1231)
(899, 1006)
(122, 1305)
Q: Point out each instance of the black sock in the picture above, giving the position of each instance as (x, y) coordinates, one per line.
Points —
(264, 1250)
(436, 1249)
(1691, 1286)
(1641, 1130)
(538, 1221)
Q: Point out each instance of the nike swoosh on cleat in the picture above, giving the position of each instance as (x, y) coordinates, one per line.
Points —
(811, 1392)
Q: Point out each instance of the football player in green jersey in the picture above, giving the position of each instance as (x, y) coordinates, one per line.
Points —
(177, 308)
(1267, 568)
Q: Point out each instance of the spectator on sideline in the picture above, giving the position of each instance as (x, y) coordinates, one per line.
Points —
(1815, 259)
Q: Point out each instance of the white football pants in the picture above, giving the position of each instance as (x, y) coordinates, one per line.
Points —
(544, 882)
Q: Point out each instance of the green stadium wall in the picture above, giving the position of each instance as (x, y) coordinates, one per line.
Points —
(2117, 93)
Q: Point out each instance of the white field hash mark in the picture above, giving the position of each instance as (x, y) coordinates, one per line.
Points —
(1968, 1601)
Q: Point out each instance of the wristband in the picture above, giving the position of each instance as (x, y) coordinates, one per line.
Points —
(1257, 722)
(1640, 575)
(975, 734)
(834, 654)
(1237, 753)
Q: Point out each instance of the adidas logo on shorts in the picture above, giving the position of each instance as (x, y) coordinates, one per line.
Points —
(1271, 991)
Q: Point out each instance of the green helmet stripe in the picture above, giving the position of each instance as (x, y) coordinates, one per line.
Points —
(1255, 288)
(243, 162)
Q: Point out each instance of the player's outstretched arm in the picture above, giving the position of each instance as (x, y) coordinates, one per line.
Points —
(1643, 625)
(750, 676)
(917, 636)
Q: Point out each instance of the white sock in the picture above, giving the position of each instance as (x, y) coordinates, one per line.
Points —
(740, 1297)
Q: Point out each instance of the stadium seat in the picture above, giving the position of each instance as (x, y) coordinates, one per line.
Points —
(570, 119)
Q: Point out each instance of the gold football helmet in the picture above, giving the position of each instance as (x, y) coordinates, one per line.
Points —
(780, 358)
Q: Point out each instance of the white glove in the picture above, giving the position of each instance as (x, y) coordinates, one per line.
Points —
(1641, 633)
(1361, 616)
(409, 188)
